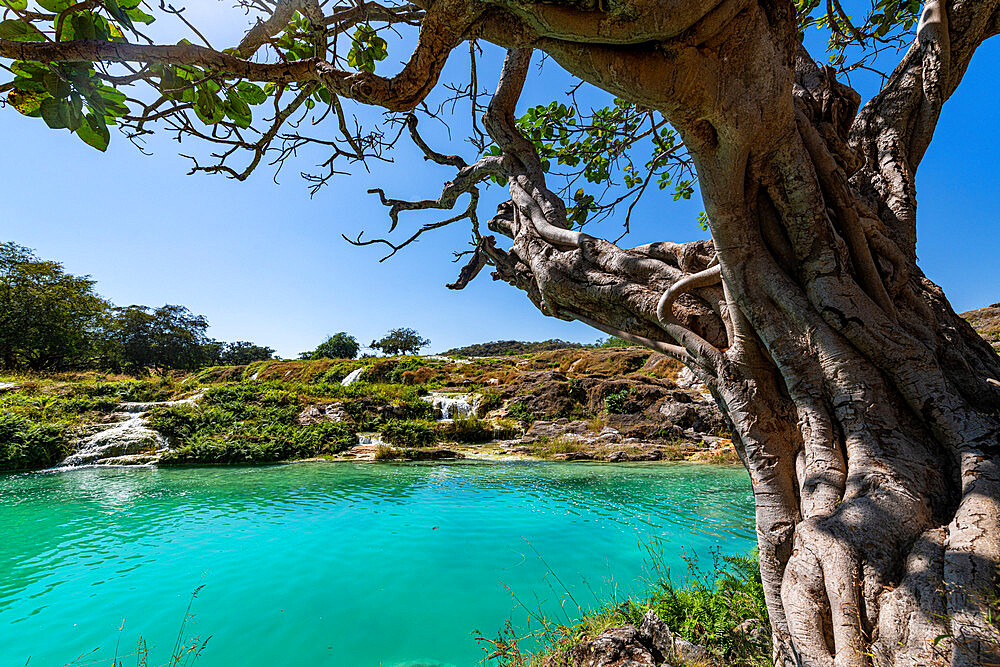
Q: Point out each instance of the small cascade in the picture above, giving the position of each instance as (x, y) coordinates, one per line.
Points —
(128, 442)
(374, 439)
(453, 406)
(352, 377)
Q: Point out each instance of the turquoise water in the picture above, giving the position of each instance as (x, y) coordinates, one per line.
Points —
(336, 564)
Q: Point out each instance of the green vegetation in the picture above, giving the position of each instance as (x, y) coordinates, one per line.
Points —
(246, 423)
(722, 609)
(26, 445)
(617, 403)
(340, 345)
(400, 341)
(53, 321)
(411, 432)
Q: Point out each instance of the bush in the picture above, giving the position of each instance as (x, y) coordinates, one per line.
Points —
(490, 399)
(472, 429)
(25, 445)
(411, 432)
(617, 403)
(262, 444)
(519, 412)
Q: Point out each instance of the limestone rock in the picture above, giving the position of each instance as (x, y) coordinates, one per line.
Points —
(315, 414)
(669, 644)
(617, 647)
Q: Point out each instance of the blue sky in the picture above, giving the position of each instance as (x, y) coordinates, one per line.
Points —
(265, 262)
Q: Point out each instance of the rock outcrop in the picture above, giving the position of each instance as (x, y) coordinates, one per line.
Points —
(652, 644)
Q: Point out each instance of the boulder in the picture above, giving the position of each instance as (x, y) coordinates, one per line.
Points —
(668, 644)
(315, 414)
(617, 647)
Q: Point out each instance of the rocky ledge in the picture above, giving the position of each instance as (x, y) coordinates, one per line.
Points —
(651, 644)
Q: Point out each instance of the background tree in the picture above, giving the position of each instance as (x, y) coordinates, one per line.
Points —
(340, 345)
(400, 341)
(866, 411)
(241, 353)
(170, 337)
(48, 318)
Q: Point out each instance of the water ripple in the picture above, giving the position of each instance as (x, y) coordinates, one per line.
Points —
(330, 559)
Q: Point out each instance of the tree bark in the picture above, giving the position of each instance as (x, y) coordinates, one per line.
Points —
(859, 401)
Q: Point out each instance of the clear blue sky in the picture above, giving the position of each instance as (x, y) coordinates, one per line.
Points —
(265, 262)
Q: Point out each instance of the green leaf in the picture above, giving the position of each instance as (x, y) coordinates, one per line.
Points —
(56, 6)
(94, 132)
(251, 93)
(56, 86)
(18, 31)
(208, 107)
(55, 113)
(119, 15)
(138, 15)
(238, 111)
(14, 4)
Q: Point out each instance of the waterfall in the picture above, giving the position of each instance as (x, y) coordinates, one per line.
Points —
(352, 377)
(371, 439)
(128, 442)
(453, 406)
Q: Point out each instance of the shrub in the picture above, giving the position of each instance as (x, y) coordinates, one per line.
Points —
(617, 403)
(520, 412)
(25, 445)
(384, 453)
(472, 429)
(411, 432)
(490, 399)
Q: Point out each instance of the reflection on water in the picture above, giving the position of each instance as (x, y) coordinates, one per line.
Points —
(337, 564)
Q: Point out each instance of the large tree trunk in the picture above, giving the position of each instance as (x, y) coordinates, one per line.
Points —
(866, 411)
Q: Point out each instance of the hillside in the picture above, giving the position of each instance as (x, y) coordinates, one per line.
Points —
(612, 404)
(504, 347)
(986, 322)
(578, 404)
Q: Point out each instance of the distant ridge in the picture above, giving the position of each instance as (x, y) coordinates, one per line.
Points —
(986, 322)
(499, 348)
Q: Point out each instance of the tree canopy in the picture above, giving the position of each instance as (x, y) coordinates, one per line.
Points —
(47, 317)
(400, 341)
(340, 345)
(51, 320)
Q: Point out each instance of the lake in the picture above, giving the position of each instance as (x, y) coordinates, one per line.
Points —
(336, 563)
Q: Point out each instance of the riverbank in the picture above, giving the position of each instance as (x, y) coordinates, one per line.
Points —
(619, 404)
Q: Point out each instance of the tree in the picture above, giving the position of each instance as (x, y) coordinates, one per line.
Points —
(400, 341)
(48, 318)
(864, 408)
(169, 337)
(242, 353)
(340, 345)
